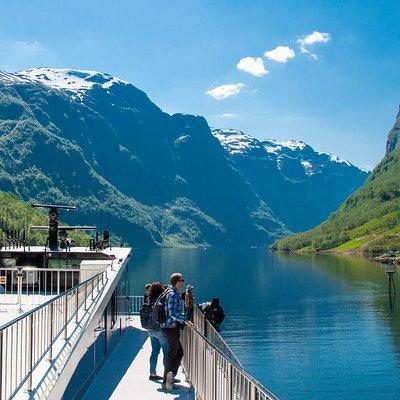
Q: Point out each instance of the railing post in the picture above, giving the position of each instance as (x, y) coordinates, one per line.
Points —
(65, 317)
(51, 333)
(77, 304)
(30, 353)
(85, 296)
(230, 381)
(19, 289)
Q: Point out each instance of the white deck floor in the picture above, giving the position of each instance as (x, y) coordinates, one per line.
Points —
(12, 310)
(126, 372)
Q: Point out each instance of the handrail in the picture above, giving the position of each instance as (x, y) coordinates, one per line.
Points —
(210, 364)
(53, 299)
(31, 285)
(26, 340)
(135, 303)
(213, 375)
(207, 329)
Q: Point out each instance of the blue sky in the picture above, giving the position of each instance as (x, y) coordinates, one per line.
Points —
(343, 102)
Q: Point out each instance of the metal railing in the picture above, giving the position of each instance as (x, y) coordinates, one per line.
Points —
(25, 341)
(213, 375)
(209, 363)
(134, 304)
(31, 285)
(207, 329)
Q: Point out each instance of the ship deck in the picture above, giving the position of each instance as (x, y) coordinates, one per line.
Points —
(126, 372)
(10, 311)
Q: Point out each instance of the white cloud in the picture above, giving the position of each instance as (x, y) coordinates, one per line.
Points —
(316, 37)
(309, 40)
(28, 49)
(252, 65)
(280, 54)
(224, 91)
(228, 115)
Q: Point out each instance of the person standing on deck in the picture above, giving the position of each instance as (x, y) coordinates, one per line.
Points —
(171, 328)
(189, 301)
(157, 338)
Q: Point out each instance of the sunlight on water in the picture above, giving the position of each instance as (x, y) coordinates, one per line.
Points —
(306, 326)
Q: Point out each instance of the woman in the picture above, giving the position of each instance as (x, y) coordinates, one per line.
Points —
(157, 337)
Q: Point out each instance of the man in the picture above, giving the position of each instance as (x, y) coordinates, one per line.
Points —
(175, 317)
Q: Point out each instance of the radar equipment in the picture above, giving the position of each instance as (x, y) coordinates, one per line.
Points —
(58, 236)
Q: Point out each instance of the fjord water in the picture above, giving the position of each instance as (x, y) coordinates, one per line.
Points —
(306, 326)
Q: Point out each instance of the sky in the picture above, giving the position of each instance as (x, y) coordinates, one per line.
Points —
(324, 72)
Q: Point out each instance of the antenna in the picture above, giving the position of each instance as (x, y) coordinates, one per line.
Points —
(53, 221)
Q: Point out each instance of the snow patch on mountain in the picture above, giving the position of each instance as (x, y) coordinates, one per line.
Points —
(73, 80)
(236, 142)
(6, 77)
(337, 159)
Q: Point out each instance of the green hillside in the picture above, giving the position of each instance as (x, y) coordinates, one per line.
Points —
(17, 214)
(368, 221)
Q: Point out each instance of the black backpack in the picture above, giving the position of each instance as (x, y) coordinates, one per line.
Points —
(152, 315)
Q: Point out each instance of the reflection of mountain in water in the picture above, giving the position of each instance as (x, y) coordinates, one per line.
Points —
(322, 323)
(358, 273)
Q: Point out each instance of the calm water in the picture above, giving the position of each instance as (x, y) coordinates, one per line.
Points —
(307, 327)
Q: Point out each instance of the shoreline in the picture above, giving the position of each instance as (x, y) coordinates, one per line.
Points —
(389, 258)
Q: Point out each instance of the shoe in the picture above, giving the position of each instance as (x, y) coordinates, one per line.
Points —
(154, 377)
(169, 384)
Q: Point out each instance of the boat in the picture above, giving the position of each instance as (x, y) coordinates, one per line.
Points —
(70, 329)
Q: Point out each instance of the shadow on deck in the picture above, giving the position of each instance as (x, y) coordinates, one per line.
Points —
(125, 374)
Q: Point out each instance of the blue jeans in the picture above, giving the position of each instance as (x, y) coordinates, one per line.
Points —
(158, 341)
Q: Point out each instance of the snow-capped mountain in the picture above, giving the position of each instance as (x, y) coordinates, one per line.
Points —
(96, 141)
(69, 79)
(237, 143)
(300, 184)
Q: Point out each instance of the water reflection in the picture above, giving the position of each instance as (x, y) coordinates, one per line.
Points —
(307, 326)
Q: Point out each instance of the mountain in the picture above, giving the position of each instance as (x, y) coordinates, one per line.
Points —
(369, 220)
(301, 185)
(95, 141)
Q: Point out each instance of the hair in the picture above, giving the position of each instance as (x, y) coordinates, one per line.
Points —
(155, 290)
(175, 278)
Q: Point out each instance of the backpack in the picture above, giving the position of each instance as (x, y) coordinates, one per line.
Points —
(152, 315)
(145, 313)
(158, 315)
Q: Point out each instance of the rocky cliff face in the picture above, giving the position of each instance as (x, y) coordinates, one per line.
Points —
(394, 135)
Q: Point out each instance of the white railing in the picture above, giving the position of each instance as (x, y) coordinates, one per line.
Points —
(213, 375)
(134, 304)
(209, 363)
(207, 329)
(25, 341)
(32, 286)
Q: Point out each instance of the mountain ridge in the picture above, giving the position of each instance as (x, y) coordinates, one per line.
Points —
(163, 179)
(317, 182)
(367, 222)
